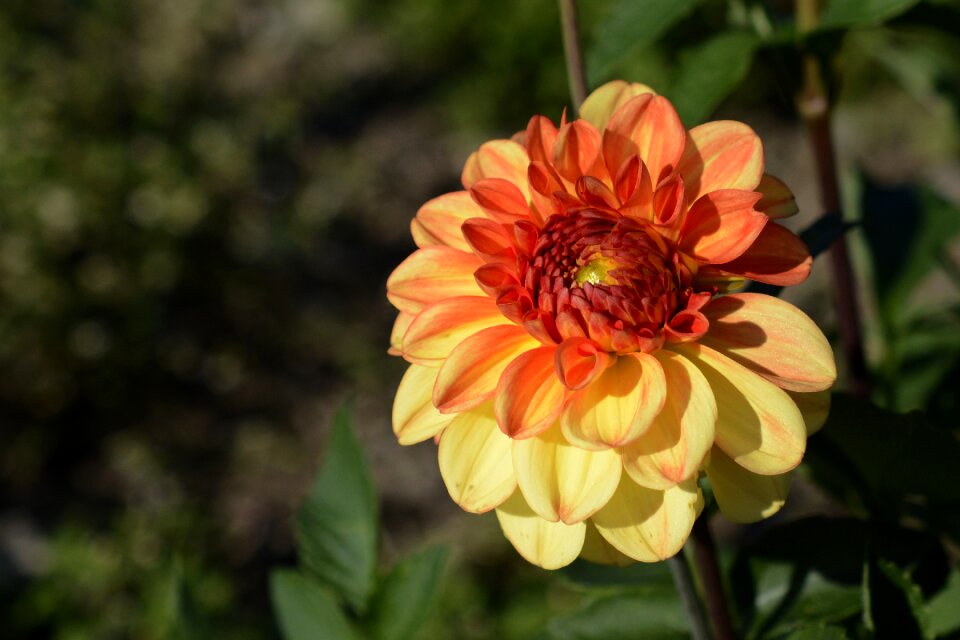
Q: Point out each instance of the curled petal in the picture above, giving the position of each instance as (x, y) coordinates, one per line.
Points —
(687, 326)
(475, 464)
(529, 396)
(470, 373)
(549, 545)
(596, 194)
(815, 408)
(443, 325)
(500, 199)
(680, 437)
(561, 481)
(495, 278)
(777, 201)
(646, 524)
(579, 361)
(776, 257)
(576, 150)
(773, 338)
(442, 217)
(744, 496)
(721, 155)
(721, 225)
(490, 240)
(619, 406)
(604, 101)
(415, 419)
(758, 425)
(431, 274)
(540, 137)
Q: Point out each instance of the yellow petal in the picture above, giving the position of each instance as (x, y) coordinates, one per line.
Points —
(432, 274)
(400, 326)
(773, 338)
(415, 419)
(443, 216)
(744, 496)
(504, 159)
(596, 549)
(815, 407)
(439, 328)
(606, 99)
(646, 524)
(675, 445)
(777, 201)
(758, 424)
(561, 481)
(475, 463)
(618, 406)
(550, 545)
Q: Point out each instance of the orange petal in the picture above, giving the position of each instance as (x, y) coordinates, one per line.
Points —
(470, 373)
(675, 445)
(721, 155)
(648, 126)
(431, 274)
(421, 237)
(529, 395)
(777, 200)
(540, 137)
(721, 225)
(649, 525)
(475, 464)
(815, 408)
(549, 545)
(758, 425)
(504, 159)
(415, 419)
(618, 406)
(400, 326)
(744, 496)
(443, 216)
(561, 481)
(772, 338)
(776, 257)
(490, 240)
(501, 199)
(576, 150)
(604, 101)
(443, 325)
(579, 361)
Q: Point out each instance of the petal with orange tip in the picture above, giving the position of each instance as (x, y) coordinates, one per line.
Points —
(431, 274)
(400, 326)
(415, 419)
(773, 338)
(815, 408)
(744, 496)
(777, 200)
(604, 101)
(680, 437)
(618, 406)
(475, 464)
(529, 396)
(599, 551)
(776, 257)
(579, 361)
(443, 216)
(576, 150)
(649, 525)
(721, 225)
(758, 424)
(443, 325)
(470, 373)
(504, 159)
(549, 545)
(721, 155)
(561, 481)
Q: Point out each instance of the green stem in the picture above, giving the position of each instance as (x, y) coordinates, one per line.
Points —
(574, 54)
(683, 580)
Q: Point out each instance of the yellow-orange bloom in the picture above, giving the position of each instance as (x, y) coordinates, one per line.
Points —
(574, 345)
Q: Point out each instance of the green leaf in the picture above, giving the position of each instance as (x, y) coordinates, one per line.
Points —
(643, 615)
(840, 14)
(942, 609)
(336, 526)
(305, 610)
(819, 632)
(629, 27)
(709, 72)
(893, 601)
(589, 574)
(406, 595)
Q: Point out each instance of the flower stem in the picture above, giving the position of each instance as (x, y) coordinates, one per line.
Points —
(574, 54)
(705, 555)
(683, 580)
(814, 108)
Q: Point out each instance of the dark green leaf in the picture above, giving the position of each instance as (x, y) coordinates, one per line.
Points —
(406, 595)
(840, 14)
(305, 610)
(819, 632)
(589, 574)
(643, 615)
(893, 601)
(826, 230)
(336, 525)
(944, 608)
(709, 72)
(629, 27)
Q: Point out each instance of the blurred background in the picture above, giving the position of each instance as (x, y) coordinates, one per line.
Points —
(200, 202)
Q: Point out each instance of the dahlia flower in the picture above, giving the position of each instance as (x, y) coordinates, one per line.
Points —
(576, 343)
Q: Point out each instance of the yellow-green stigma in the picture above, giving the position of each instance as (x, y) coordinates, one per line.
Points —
(597, 271)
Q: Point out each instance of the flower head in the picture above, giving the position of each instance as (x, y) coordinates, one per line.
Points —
(576, 342)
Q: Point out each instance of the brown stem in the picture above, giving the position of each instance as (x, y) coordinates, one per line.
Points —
(574, 54)
(705, 556)
(814, 107)
(683, 580)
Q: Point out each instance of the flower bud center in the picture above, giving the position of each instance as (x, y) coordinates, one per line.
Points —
(597, 271)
